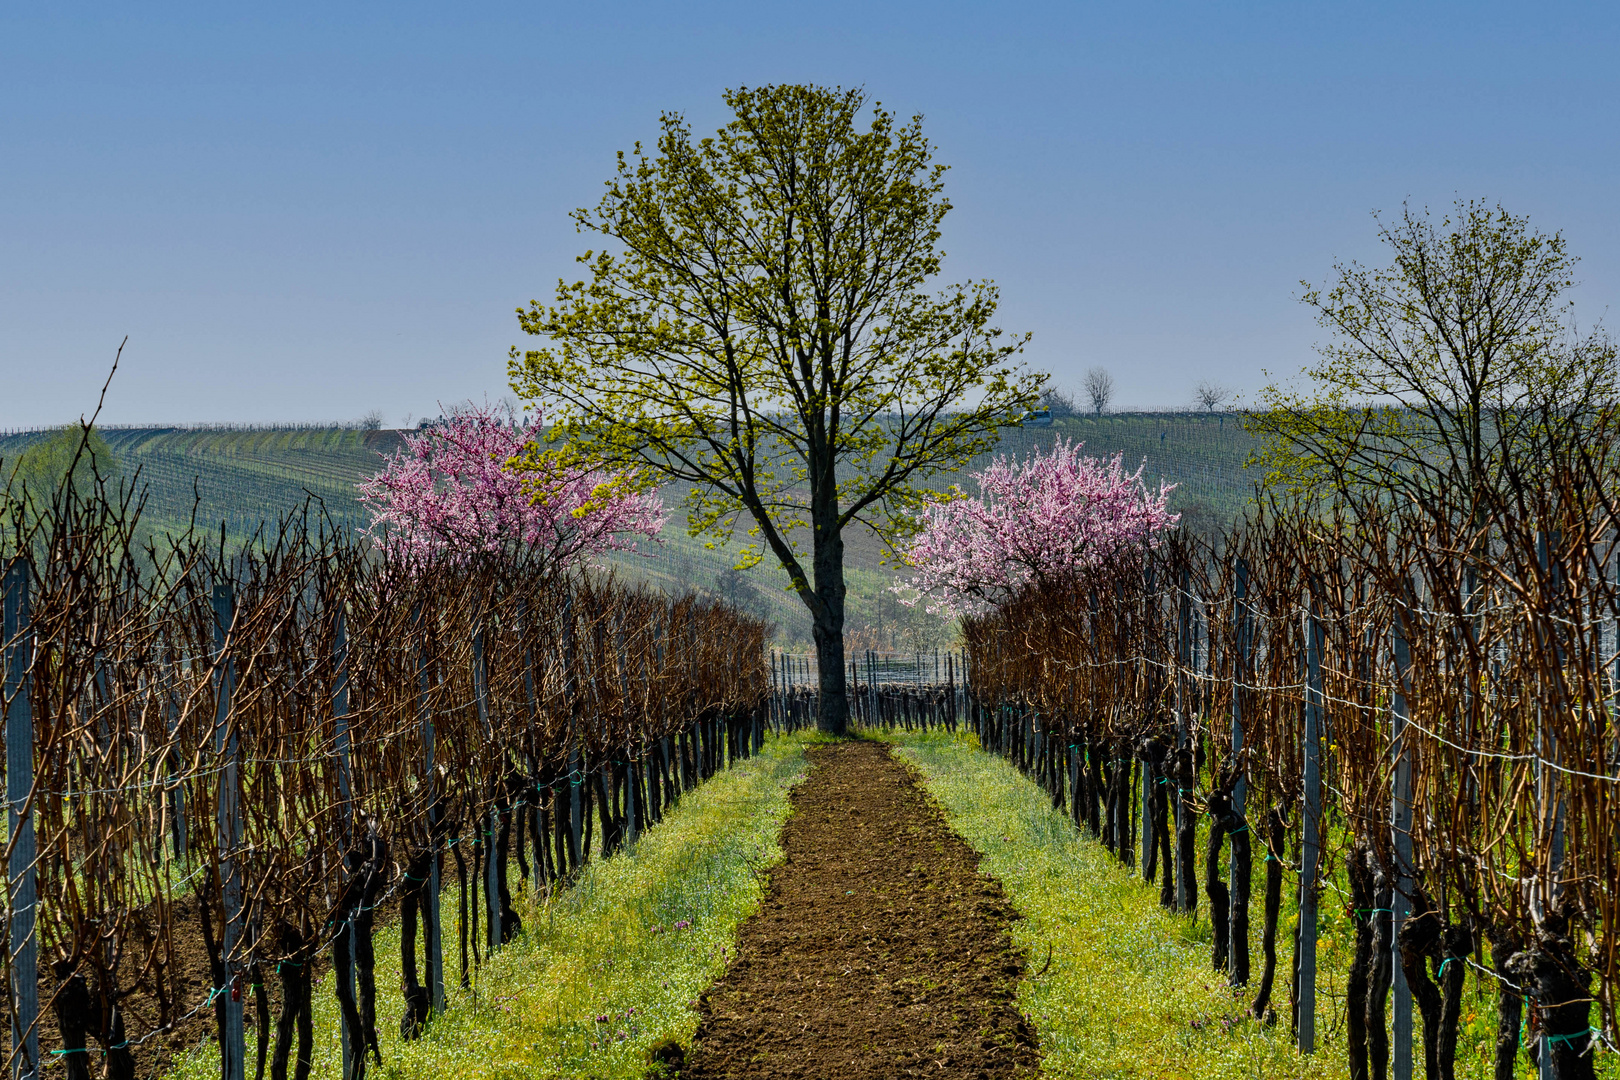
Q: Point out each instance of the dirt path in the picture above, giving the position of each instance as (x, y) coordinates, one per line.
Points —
(879, 950)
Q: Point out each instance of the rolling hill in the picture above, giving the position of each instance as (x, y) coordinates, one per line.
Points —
(244, 477)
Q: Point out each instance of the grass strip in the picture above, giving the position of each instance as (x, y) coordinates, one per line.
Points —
(1129, 991)
(609, 969)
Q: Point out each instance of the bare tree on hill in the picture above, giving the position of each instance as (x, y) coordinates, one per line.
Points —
(1099, 388)
(1209, 395)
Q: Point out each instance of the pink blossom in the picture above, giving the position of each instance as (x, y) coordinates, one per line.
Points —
(1057, 515)
(456, 488)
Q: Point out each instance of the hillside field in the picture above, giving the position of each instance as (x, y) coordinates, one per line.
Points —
(247, 477)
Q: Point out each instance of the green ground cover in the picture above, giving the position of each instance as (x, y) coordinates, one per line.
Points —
(1130, 992)
(610, 968)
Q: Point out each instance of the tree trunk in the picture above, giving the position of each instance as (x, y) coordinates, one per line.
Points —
(1220, 907)
(1457, 942)
(306, 1032)
(261, 1003)
(1161, 831)
(216, 964)
(511, 922)
(1099, 791)
(418, 1002)
(365, 953)
(1080, 783)
(1127, 805)
(1420, 939)
(608, 812)
(1561, 988)
(520, 817)
(1186, 829)
(560, 818)
(120, 1060)
(586, 796)
(1509, 1005)
(294, 977)
(652, 764)
(1380, 975)
(1242, 873)
(1360, 977)
(461, 881)
(1110, 829)
(539, 827)
(827, 624)
(351, 1026)
(1275, 834)
(73, 1008)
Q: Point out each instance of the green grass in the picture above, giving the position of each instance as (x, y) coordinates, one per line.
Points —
(602, 974)
(1130, 992)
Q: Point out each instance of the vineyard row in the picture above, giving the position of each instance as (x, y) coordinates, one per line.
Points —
(264, 748)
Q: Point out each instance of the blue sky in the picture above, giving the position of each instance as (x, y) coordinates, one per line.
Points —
(302, 213)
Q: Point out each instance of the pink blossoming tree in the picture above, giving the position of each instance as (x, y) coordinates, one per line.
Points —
(1056, 516)
(454, 490)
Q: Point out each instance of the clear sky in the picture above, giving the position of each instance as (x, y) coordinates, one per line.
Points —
(304, 212)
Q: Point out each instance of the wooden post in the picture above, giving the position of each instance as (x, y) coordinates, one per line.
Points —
(345, 779)
(21, 884)
(1310, 851)
(432, 917)
(232, 1047)
(1400, 821)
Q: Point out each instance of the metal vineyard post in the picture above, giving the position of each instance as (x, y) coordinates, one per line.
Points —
(20, 880)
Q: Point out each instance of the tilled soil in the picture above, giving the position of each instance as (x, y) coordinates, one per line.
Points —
(157, 1051)
(879, 950)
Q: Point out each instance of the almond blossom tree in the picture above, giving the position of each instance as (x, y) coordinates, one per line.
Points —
(453, 490)
(1057, 515)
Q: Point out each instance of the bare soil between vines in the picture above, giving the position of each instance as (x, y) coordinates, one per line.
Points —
(879, 950)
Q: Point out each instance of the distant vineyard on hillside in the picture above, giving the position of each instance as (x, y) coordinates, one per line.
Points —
(245, 477)
(241, 478)
(1202, 453)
